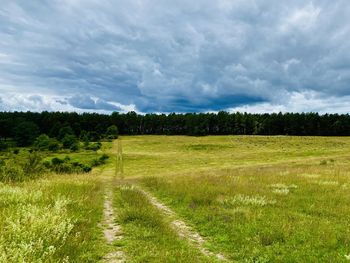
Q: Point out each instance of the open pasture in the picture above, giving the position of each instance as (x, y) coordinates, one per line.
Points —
(255, 199)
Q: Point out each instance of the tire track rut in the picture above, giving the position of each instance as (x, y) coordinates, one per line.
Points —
(182, 229)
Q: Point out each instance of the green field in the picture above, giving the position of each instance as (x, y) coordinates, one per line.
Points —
(189, 199)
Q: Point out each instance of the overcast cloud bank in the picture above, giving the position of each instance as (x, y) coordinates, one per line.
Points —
(164, 56)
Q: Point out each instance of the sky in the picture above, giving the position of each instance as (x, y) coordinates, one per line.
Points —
(175, 55)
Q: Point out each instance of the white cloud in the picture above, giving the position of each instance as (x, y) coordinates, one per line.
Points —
(35, 102)
(300, 102)
(302, 18)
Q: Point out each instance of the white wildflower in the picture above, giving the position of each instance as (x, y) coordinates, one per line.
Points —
(247, 200)
(328, 183)
(282, 189)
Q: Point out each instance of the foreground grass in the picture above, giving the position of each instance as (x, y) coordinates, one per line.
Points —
(51, 220)
(148, 235)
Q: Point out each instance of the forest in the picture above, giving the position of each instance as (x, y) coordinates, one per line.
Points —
(22, 128)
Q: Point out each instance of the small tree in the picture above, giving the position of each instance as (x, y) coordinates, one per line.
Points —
(42, 142)
(70, 142)
(54, 145)
(67, 130)
(25, 133)
(112, 132)
(3, 145)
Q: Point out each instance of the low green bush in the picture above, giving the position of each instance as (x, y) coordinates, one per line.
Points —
(99, 161)
(3, 145)
(17, 169)
(67, 166)
(94, 146)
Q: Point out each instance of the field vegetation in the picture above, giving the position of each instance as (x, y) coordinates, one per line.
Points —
(179, 199)
(255, 199)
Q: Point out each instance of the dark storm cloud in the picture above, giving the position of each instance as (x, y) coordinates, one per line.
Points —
(179, 55)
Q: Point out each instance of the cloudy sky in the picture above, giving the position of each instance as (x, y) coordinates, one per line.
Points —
(175, 55)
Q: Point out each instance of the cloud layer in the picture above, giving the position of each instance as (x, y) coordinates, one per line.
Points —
(164, 56)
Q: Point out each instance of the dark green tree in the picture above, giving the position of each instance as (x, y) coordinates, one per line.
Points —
(25, 133)
(42, 142)
(70, 142)
(112, 132)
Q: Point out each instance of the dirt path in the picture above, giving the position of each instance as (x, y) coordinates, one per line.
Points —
(112, 231)
(182, 229)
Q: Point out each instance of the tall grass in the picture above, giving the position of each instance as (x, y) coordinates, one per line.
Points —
(53, 220)
(272, 214)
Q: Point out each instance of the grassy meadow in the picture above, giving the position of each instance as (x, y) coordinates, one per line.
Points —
(256, 199)
(252, 198)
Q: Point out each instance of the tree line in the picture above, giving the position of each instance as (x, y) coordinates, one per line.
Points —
(25, 127)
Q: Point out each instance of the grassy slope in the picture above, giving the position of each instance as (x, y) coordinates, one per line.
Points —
(53, 219)
(256, 198)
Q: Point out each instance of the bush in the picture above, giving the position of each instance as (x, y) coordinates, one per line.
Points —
(3, 145)
(94, 147)
(42, 142)
(75, 147)
(104, 157)
(66, 166)
(11, 172)
(54, 145)
(33, 166)
(99, 161)
(64, 131)
(70, 142)
(56, 161)
(112, 132)
(17, 170)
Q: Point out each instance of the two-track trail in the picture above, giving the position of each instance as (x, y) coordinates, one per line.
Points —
(113, 231)
(182, 229)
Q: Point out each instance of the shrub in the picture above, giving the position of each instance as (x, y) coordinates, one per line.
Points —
(11, 172)
(66, 166)
(70, 142)
(56, 161)
(54, 145)
(75, 147)
(64, 131)
(99, 161)
(33, 166)
(42, 142)
(104, 157)
(94, 147)
(3, 145)
(112, 132)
